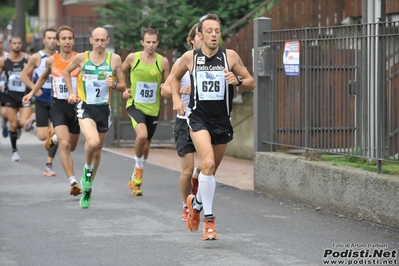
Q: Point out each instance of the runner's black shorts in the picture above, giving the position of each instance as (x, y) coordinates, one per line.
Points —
(14, 99)
(63, 113)
(137, 117)
(220, 129)
(100, 114)
(42, 110)
(1, 99)
(184, 144)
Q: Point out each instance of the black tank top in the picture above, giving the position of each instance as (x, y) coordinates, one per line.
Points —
(13, 75)
(211, 96)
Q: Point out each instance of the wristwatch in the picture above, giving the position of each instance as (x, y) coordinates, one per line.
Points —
(115, 84)
(240, 81)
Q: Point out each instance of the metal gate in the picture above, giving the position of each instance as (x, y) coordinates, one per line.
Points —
(344, 100)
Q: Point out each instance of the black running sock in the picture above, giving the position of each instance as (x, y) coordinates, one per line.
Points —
(13, 138)
(49, 164)
(197, 205)
(197, 202)
(52, 151)
(209, 217)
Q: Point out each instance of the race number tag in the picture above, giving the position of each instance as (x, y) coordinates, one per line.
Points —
(60, 90)
(2, 80)
(48, 83)
(15, 83)
(146, 92)
(97, 92)
(211, 85)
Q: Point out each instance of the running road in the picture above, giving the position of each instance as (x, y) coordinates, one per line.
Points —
(41, 224)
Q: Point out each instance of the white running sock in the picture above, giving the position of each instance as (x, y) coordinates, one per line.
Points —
(195, 172)
(72, 180)
(206, 188)
(54, 138)
(88, 166)
(139, 161)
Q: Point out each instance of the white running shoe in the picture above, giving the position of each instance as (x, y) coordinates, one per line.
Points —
(15, 157)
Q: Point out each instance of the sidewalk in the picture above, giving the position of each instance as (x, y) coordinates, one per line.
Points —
(233, 172)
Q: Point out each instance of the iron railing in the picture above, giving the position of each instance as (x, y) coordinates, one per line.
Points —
(346, 97)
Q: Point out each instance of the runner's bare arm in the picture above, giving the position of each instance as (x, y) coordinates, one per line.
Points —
(33, 62)
(44, 76)
(237, 68)
(120, 77)
(165, 68)
(165, 88)
(74, 64)
(181, 69)
(2, 59)
(1, 64)
(126, 66)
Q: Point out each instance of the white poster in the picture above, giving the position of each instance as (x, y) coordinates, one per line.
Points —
(291, 58)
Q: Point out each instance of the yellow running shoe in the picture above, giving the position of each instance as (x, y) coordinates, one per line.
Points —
(136, 180)
(48, 143)
(136, 191)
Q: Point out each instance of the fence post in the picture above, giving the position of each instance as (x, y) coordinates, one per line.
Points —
(263, 94)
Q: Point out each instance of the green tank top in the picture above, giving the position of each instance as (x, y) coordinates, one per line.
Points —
(91, 81)
(145, 82)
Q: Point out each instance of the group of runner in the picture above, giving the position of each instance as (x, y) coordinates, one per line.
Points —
(73, 92)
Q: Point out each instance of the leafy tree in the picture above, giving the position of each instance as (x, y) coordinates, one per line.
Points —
(8, 12)
(172, 19)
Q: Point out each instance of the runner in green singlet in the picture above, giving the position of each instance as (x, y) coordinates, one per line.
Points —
(100, 72)
(147, 70)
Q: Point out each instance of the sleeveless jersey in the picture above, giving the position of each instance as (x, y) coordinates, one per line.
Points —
(13, 75)
(145, 81)
(210, 96)
(46, 89)
(185, 80)
(91, 82)
(3, 74)
(59, 88)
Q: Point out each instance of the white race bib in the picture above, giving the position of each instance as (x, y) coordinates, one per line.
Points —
(60, 89)
(2, 80)
(48, 83)
(15, 83)
(211, 85)
(146, 92)
(97, 92)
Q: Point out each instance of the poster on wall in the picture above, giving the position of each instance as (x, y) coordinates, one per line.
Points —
(291, 58)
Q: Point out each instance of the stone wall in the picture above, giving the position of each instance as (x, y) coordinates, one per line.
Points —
(348, 191)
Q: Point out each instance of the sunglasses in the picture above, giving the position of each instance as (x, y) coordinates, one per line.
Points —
(202, 18)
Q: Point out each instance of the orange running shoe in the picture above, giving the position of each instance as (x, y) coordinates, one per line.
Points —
(75, 189)
(48, 171)
(193, 217)
(136, 191)
(184, 213)
(48, 143)
(136, 181)
(136, 178)
(209, 230)
(30, 122)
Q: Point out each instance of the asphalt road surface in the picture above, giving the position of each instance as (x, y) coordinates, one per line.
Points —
(41, 224)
